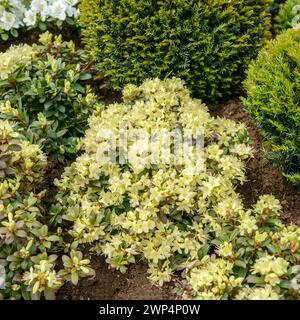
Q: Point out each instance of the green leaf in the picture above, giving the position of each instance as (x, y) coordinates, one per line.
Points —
(53, 238)
(79, 87)
(240, 263)
(62, 109)
(255, 279)
(74, 278)
(14, 33)
(85, 76)
(43, 26)
(107, 215)
(271, 248)
(4, 83)
(4, 36)
(203, 251)
(240, 272)
(61, 133)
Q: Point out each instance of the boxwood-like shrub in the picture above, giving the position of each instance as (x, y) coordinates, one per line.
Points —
(287, 12)
(207, 43)
(275, 5)
(172, 216)
(273, 99)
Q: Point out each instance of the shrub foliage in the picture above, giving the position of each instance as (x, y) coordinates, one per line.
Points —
(276, 4)
(27, 245)
(47, 97)
(206, 43)
(273, 100)
(287, 12)
(174, 221)
(28, 14)
(13, 58)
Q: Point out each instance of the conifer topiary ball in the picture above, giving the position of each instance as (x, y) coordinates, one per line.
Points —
(273, 99)
(288, 15)
(207, 43)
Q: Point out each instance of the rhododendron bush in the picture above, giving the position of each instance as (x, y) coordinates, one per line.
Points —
(13, 58)
(16, 14)
(175, 221)
(28, 247)
(43, 91)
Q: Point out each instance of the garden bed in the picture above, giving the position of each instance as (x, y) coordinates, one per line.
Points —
(261, 178)
(85, 228)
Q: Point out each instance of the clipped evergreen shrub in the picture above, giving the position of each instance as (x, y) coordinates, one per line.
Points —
(276, 4)
(208, 43)
(287, 12)
(178, 220)
(273, 99)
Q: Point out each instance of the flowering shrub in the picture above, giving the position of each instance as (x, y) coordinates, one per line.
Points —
(46, 96)
(175, 221)
(16, 14)
(27, 245)
(287, 15)
(273, 100)
(13, 58)
(132, 40)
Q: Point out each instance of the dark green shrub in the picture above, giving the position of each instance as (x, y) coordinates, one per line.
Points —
(47, 96)
(207, 43)
(275, 5)
(273, 88)
(288, 11)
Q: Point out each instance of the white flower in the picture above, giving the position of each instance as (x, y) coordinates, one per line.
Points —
(40, 7)
(71, 3)
(30, 18)
(8, 19)
(58, 10)
(14, 3)
(72, 11)
(16, 13)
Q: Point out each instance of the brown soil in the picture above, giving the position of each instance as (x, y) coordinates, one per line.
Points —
(53, 170)
(32, 36)
(262, 178)
(112, 285)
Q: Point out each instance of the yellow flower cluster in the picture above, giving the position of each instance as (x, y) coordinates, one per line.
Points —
(271, 268)
(265, 293)
(13, 58)
(173, 220)
(213, 278)
(42, 276)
